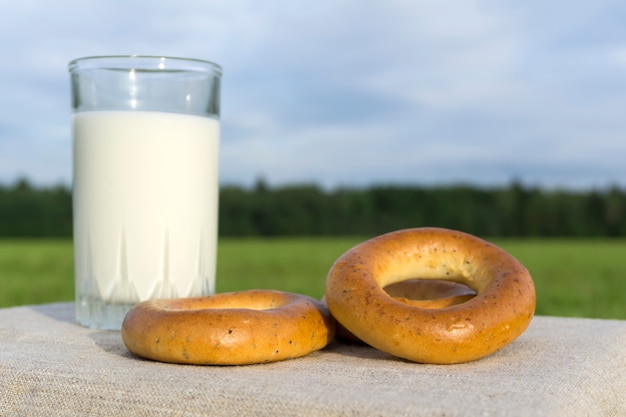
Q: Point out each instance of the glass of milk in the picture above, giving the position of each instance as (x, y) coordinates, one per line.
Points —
(145, 181)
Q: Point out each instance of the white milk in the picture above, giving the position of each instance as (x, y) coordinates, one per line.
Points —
(145, 206)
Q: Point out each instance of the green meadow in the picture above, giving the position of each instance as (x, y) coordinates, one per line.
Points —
(575, 278)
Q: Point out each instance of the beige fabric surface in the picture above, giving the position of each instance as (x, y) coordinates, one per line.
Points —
(558, 367)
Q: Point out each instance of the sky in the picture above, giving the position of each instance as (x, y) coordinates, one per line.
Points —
(347, 92)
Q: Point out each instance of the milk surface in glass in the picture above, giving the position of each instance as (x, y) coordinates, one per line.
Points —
(150, 230)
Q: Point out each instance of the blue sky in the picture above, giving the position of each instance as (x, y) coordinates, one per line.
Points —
(347, 92)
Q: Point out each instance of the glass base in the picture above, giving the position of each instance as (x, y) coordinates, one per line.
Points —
(97, 314)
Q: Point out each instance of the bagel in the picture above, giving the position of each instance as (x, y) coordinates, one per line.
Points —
(500, 311)
(237, 328)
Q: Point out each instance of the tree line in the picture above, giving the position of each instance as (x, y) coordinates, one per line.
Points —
(513, 210)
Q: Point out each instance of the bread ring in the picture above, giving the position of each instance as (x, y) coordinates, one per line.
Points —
(498, 314)
(237, 328)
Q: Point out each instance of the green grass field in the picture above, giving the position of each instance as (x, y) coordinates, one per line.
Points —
(577, 278)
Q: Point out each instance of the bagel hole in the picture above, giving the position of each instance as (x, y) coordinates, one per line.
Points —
(430, 293)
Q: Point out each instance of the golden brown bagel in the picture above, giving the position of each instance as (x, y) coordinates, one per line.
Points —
(499, 313)
(238, 328)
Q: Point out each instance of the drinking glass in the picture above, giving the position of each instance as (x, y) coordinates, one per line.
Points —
(145, 132)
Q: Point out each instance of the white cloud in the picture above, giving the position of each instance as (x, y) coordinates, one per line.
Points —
(341, 92)
(618, 56)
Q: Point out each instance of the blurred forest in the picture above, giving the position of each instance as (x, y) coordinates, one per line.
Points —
(307, 210)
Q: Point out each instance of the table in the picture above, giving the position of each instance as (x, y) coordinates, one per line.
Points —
(558, 367)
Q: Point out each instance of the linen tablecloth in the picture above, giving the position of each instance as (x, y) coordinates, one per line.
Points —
(558, 367)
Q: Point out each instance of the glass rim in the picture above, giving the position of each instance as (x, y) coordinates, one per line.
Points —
(155, 62)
